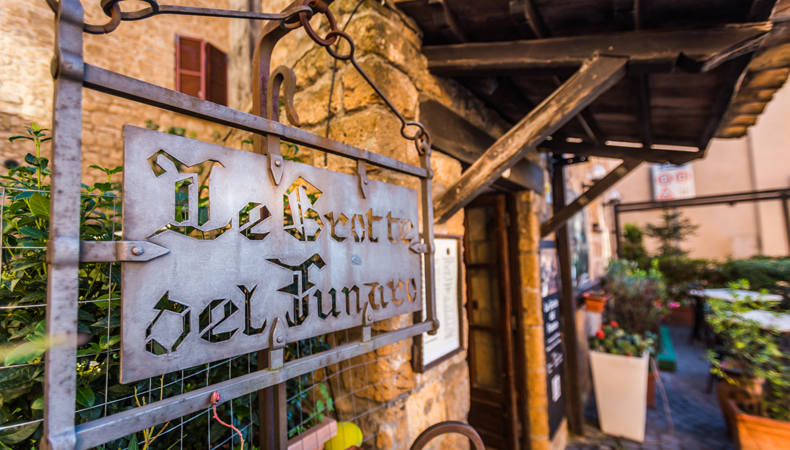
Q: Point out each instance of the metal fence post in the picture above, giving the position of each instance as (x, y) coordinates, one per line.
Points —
(60, 376)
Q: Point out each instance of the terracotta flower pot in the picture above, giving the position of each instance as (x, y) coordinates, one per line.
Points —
(682, 316)
(651, 389)
(758, 433)
(595, 302)
(743, 392)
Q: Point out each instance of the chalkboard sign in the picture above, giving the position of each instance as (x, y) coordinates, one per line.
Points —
(555, 355)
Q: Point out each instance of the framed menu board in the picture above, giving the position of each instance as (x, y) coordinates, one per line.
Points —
(430, 350)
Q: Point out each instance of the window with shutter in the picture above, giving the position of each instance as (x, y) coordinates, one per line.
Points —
(201, 70)
(216, 75)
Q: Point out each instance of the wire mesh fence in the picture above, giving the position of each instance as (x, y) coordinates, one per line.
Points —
(355, 391)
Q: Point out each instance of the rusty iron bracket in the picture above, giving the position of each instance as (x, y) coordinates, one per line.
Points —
(120, 251)
(419, 247)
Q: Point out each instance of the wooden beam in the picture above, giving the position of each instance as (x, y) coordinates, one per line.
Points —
(444, 17)
(528, 18)
(644, 117)
(572, 385)
(761, 10)
(501, 95)
(459, 138)
(648, 50)
(561, 216)
(594, 78)
(620, 152)
(729, 89)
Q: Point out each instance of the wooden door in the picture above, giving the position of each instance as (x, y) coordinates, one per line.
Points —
(491, 368)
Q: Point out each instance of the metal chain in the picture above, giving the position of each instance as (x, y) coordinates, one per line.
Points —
(421, 137)
(291, 18)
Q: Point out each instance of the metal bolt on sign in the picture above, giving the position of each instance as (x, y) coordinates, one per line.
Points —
(283, 251)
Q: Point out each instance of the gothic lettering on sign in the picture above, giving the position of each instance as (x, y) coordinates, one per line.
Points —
(310, 252)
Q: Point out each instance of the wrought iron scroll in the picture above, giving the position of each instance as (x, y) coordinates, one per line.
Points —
(64, 251)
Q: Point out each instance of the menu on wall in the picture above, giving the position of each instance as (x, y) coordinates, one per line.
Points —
(447, 273)
(555, 355)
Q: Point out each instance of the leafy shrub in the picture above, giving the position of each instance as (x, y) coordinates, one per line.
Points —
(613, 339)
(756, 351)
(639, 296)
(634, 244)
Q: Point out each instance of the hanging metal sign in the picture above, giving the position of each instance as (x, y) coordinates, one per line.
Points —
(243, 252)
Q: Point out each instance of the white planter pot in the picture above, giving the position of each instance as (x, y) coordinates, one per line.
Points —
(620, 384)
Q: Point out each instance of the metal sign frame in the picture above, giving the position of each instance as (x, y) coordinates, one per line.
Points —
(65, 251)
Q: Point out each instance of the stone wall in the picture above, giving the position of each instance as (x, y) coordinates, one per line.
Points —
(388, 48)
(143, 50)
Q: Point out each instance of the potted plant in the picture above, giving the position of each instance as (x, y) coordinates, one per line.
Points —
(755, 393)
(595, 301)
(619, 362)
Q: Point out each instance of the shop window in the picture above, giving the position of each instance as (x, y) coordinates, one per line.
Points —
(201, 70)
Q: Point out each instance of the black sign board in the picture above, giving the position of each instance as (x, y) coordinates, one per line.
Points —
(555, 355)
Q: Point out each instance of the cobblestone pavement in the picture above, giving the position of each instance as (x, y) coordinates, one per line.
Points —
(695, 413)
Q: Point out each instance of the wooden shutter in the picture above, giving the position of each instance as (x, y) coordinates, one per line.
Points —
(216, 75)
(190, 66)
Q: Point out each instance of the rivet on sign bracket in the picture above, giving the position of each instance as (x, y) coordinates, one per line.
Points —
(364, 181)
(120, 251)
(277, 341)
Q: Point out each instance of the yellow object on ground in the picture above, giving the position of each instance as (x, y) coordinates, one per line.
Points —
(348, 435)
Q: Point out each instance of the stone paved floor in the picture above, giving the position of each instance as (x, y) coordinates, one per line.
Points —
(698, 421)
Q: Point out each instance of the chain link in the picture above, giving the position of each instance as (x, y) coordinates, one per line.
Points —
(421, 138)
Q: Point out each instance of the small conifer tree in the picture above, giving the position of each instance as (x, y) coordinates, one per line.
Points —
(671, 231)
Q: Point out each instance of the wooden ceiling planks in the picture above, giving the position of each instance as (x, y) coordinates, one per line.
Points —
(683, 106)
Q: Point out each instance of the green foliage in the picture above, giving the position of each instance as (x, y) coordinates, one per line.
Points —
(671, 232)
(756, 351)
(634, 244)
(680, 274)
(23, 287)
(613, 339)
(761, 272)
(639, 296)
(23, 294)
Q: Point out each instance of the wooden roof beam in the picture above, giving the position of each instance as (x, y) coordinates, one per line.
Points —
(595, 77)
(563, 214)
(448, 23)
(644, 116)
(645, 154)
(528, 18)
(648, 51)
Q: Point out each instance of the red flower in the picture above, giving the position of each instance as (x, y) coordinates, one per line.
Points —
(600, 334)
(614, 324)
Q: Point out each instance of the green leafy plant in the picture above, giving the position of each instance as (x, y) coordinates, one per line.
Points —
(634, 244)
(613, 339)
(755, 351)
(25, 221)
(25, 218)
(639, 296)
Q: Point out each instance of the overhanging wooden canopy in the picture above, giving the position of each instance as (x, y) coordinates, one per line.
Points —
(637, 80)
(693, 70)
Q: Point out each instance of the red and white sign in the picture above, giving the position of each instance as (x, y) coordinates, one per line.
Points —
(672, 182)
